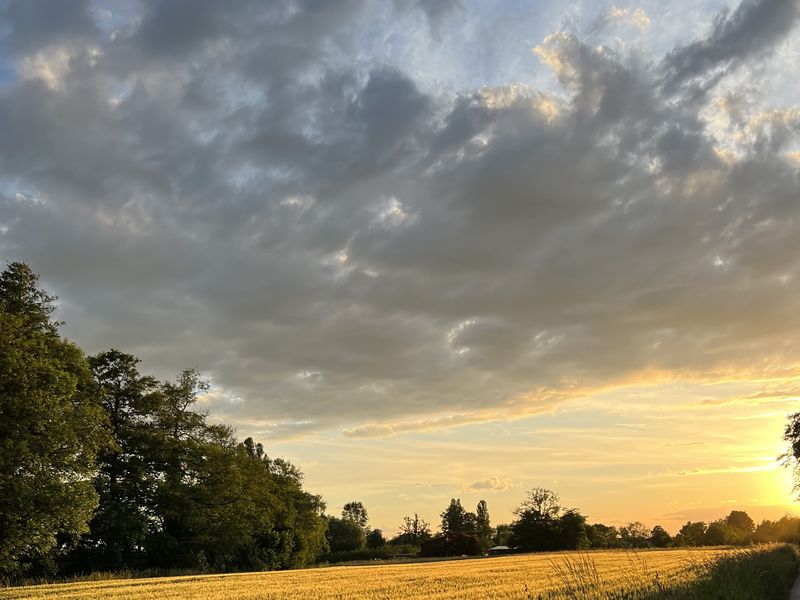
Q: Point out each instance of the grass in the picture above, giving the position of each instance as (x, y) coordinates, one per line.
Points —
(762, 573)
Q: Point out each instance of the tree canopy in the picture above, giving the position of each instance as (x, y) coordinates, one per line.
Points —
(52, 427)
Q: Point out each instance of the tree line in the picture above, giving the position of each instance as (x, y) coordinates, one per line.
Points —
(540, 524)
(104, 468)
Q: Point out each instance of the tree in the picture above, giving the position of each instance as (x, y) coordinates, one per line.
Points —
(483, 526)
(355, 512)
(285, 523)
(221, 504)
(51, 427)
(659, 538)
(124, 481)
(634, 535)
(501, 536)
(375, 539)
(571, 531)
(186, 452)
(541, 503)
(21, 297)
(740, 520)
(787, 529)
(344, 535)
(602, 536)
(791, 435)
(457, 520)
(451, 544)
(536, 525)
(691, 534)
(413, 531)
(719, 533)
(742, 527)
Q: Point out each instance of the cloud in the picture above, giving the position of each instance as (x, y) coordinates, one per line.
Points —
(488, 484)
(376, 430)
(635, 17)
(249, 192)
(437, 12)
(753, 29)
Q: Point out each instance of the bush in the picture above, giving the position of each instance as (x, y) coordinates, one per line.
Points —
(451, 544)
(383, 553)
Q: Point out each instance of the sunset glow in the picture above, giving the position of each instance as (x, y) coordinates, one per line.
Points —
(433, 250)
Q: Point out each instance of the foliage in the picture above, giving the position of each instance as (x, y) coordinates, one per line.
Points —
(786, 529)
(603, 536)
(634, 535)
(542, 524)
(455, 519)
(375, 539)
(483, 526)
(501, 535)
(413, 531)
(540, 504)
(571, 531)
(51, 428)
(659, 538)
(386, 553)
(125, 483)
(691, 534)
(451, 543)
(355, 512)
(93, 447)
(344, 535)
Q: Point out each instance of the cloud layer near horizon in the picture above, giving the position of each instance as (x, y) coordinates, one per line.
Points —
(283, 196)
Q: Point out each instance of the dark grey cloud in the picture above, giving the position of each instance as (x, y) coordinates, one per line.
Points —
(45, 21)
(337, 243)
(753, 28)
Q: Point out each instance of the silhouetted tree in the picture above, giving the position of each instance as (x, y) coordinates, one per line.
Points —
(571, 531)
(344, 535)
(634, 535)
(719, 533)
(536, 523)
(742, 527)
(691, 534)
(659, 538)
(355, 512)
(457, 520)
(602, 536)
(451, 544)
(483, 526)
(501, 535)
(413, 531)
(375, 539)
(787, 529)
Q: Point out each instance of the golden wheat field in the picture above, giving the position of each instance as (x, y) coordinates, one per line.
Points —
(519, 576)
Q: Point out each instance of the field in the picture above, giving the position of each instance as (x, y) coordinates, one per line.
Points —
(655, 574)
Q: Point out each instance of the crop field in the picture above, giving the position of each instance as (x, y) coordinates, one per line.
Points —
(602, 574)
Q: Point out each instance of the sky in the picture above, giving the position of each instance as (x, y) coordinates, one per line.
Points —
(430, 249)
